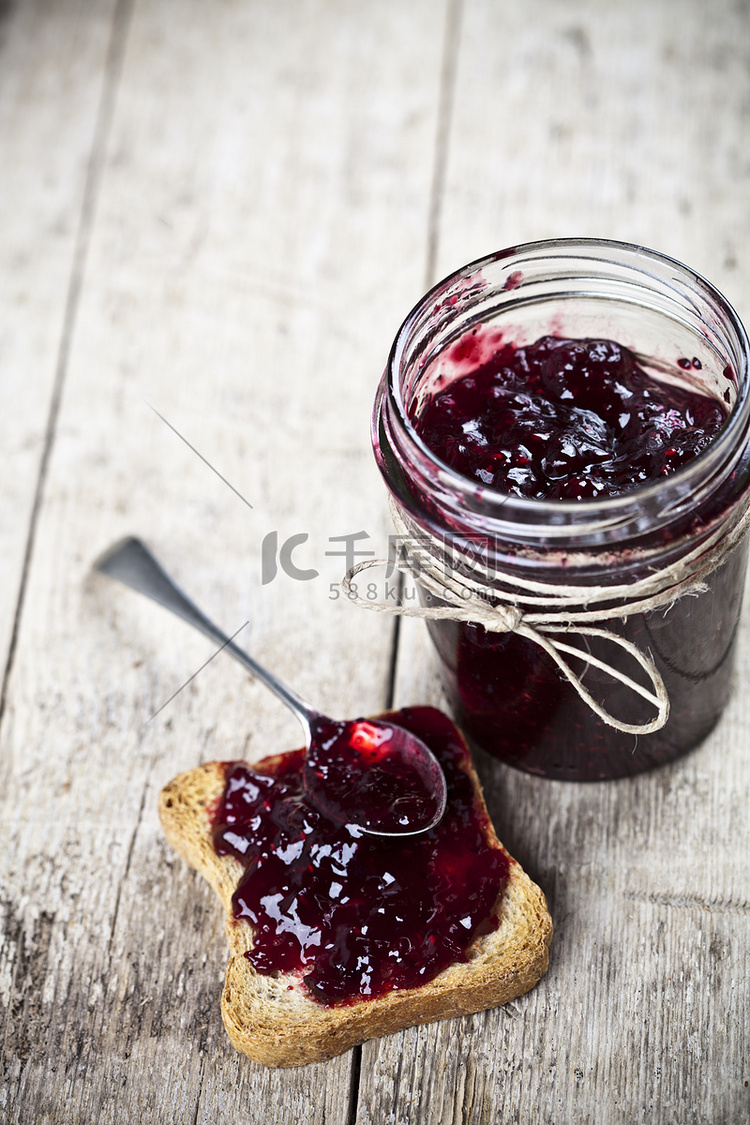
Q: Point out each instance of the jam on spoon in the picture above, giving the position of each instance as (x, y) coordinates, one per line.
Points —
(358, 770)
(375, 775)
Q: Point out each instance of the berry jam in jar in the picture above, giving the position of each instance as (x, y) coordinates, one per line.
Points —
(565, 427)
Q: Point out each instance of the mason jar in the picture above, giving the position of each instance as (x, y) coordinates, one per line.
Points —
(661, 566)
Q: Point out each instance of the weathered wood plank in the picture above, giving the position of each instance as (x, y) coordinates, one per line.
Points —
(626, 123)
(643, 1015)
(261, 225)
(52, 64)
(623, 121)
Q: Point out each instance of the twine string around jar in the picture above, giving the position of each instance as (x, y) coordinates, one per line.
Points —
(540, 612)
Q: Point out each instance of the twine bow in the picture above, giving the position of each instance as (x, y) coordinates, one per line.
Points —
(542, 612)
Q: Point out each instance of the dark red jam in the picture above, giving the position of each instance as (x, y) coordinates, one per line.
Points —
(355, 916)
(365, 772)
(580, 419)
(565, 420)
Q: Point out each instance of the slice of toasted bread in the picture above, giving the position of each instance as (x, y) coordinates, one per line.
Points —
(274, 1021)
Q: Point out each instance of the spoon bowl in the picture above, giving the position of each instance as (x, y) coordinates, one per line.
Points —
(368, 773)
(375, 774)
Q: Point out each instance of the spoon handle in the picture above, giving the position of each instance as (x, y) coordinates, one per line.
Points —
(131, 563)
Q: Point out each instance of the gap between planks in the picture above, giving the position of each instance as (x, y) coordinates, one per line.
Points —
(112, 71)
(448, 70)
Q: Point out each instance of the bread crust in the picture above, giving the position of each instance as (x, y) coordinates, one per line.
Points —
(271, 1018)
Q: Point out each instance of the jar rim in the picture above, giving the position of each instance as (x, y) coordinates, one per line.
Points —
(568, 514)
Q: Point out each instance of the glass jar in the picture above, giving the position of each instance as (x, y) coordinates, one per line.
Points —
(507, 693)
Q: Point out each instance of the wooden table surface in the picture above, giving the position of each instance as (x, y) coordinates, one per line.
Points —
(214, 217)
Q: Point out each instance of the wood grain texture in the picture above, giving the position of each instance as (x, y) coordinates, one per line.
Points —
(53, 76)
(643, 1015)
(260, 225)
(270, 187)
(622, 121)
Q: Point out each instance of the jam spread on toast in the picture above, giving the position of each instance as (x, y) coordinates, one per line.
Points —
(355, 916)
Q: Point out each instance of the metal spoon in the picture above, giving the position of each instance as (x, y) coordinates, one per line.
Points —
(369, 773)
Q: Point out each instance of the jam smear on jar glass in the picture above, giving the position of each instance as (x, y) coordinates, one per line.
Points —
(355, 916)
